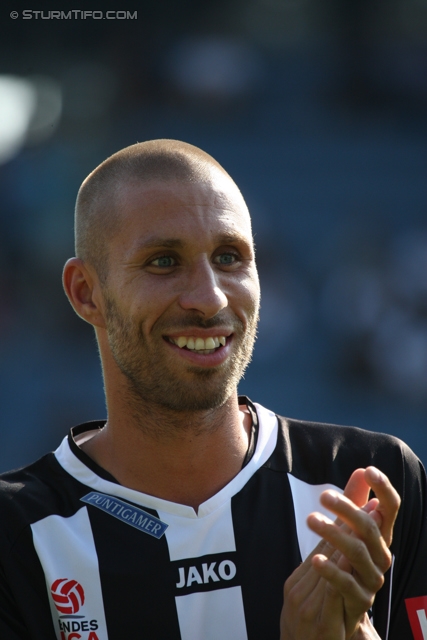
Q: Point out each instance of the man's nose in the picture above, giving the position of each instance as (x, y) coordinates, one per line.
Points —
(202, 291)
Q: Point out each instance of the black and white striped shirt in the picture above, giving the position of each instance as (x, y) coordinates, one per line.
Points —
(83, 557)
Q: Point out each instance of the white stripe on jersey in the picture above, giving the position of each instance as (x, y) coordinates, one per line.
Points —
(393, 558)
(66, 549)
(306, 500)
(213, 615)
(192, 538)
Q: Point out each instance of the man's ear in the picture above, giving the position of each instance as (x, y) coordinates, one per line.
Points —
(83, 290)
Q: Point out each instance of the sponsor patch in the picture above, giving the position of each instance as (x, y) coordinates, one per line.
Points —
(417, 614)
(127, 513)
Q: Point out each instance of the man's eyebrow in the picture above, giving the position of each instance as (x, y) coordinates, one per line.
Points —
(158, 241)
(231, 238)
(154, 242)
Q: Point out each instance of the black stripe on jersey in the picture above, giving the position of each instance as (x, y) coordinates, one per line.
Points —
(32, 610)
(205, 573)
(133, 580)
(262, 549)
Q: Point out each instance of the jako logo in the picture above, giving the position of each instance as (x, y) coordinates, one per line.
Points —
(68, 595)
(226, 571)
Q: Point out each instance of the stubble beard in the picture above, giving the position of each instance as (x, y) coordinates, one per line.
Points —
(150, 382)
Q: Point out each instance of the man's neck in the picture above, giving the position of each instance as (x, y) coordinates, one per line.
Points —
(186, 458)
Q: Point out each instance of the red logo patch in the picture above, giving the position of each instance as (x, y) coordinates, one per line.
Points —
(68, 595)
(417, 614)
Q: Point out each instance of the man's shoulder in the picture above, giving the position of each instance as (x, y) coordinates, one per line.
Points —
(339, 436)
(321, 453)
(31, 493)
(27, 478)
(47, 475)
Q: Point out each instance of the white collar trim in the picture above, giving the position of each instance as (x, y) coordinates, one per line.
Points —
(267, 438)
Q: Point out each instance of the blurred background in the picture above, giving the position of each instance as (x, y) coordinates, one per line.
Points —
(317, 108)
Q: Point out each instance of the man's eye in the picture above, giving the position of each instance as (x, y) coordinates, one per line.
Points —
(164, 261)
(226, 259)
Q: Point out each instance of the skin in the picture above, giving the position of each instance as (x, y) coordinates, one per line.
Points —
(208, 288)
(183, 263)
(328, 596)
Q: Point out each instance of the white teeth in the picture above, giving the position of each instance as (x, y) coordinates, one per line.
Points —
(199, 344)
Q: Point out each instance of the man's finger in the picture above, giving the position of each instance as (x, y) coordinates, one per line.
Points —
(362, 524)
(355, 551)
(357, 488)
(363, 530)
(389, 501)
(304, 578)
(358, 598)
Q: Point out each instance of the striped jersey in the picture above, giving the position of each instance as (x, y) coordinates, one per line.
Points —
(85, 558)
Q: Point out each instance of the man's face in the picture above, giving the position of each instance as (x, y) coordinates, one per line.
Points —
(182, 293)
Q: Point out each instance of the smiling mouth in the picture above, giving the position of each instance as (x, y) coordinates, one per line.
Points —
(203, 346)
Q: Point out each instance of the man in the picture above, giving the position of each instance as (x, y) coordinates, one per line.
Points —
(185, 514)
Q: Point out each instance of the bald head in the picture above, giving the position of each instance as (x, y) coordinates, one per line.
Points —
(97, 213)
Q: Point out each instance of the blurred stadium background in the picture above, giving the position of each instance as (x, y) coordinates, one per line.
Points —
(317, 108)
